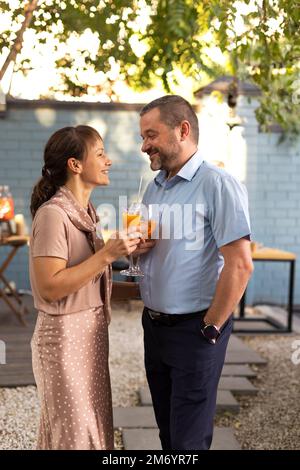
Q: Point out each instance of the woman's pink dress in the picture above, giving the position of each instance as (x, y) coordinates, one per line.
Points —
(70, 346)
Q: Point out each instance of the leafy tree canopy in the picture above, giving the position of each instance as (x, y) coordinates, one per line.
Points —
(146, 42)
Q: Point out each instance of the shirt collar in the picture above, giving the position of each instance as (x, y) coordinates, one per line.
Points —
(161, 177)
(187, 172)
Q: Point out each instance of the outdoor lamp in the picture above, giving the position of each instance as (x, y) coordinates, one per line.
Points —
(6, 204)
(6, 212)
(233, 119)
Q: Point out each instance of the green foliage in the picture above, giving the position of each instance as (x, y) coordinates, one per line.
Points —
(264, 51)
(260, 43)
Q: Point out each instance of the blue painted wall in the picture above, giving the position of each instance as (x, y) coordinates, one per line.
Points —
(272, 174)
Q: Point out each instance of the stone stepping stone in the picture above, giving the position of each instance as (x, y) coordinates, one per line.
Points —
(148, 439)
(236, 370)
(244, 357)
(134, 417)
(236, 344)
(224, 439)
(225, 400)
(239, 385)
(143, 416)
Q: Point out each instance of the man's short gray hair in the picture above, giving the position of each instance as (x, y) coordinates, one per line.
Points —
(173, 110)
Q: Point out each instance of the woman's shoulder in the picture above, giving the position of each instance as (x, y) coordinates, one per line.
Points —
(50, 232)
(50, 209)
(49, 214)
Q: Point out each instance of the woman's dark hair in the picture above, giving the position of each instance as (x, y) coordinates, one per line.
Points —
(63, 144)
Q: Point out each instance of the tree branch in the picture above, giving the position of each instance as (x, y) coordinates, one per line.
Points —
(17, 46)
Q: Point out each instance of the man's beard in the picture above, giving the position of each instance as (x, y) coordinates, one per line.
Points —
(165, 161)
(155, 164)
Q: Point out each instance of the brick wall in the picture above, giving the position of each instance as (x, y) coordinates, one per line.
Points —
(273, 182)
(272, 172)
(26, 128)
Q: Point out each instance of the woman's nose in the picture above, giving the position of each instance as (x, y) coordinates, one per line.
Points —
(108, 162)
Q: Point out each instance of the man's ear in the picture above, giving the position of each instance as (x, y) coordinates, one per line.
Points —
(185, 130)
(74, 165)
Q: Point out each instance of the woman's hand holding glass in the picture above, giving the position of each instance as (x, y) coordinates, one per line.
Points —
(135, 219)
(122, 243)
(132, 221)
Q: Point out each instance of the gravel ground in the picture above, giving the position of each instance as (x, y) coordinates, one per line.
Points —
(19, 407)
(269, 420)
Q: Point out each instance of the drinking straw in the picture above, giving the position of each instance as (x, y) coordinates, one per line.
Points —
(140, 187)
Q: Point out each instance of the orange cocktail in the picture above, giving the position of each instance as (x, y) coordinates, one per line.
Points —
(151, 227)
(131, 220)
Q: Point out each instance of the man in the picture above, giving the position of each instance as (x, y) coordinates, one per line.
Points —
(190, 288)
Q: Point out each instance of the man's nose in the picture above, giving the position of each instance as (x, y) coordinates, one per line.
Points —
(145, 146)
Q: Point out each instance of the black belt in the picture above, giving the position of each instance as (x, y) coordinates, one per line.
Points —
(172, 318)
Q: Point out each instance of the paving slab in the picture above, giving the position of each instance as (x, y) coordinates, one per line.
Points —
(237, 370)
(141, 439)
(148, 439)
(16, 381)
(225, 400)
(244, 357)
(224, 439)
(134, 417)
(236, 344)
(238, 385)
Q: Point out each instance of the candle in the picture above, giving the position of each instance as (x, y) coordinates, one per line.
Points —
(20, 224)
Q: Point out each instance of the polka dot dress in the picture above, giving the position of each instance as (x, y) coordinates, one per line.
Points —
(70, 365)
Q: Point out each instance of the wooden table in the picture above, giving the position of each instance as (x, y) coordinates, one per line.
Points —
(19, 309)
(274, 256)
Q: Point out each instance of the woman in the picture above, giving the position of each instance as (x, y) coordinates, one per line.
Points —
(70, 275)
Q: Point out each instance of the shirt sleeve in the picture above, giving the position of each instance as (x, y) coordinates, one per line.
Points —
(50, 234)
(228, 212)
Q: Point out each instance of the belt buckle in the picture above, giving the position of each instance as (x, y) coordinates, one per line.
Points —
(160, 318)
(153, 315)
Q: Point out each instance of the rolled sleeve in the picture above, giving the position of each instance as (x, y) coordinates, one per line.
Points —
(49, 236)
(229, 214)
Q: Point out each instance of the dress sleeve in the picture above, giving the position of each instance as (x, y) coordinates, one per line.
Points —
(50, 234)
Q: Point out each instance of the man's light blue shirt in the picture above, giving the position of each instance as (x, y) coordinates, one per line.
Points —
(182, 270)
